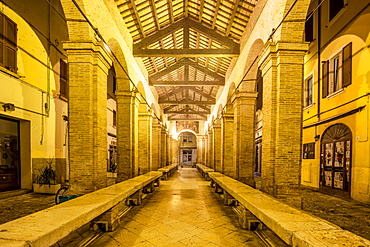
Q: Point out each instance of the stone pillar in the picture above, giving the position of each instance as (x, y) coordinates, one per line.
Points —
(145, 139)
(210, 148)
(163, 147)
(174, 154)
(88, 69)
(217, 147)
(168, 151)
(127, 133)
(205, 150)
(282, 65)
(244, 130)
(227, 135)
(156, 144)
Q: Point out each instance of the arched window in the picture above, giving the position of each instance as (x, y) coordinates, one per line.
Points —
(335, 158)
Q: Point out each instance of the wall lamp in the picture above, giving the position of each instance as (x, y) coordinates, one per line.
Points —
(9, 107)
(317, 137)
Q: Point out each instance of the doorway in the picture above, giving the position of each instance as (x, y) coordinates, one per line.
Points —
(187, 157)
(10, 156)
(335, 159)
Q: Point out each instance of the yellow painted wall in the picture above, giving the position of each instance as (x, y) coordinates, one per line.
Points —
(336, 35)
(37, 75)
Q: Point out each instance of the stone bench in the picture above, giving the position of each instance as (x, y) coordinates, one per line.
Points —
(168, 171)
(294, 226)
(204, 170)
(48, 226)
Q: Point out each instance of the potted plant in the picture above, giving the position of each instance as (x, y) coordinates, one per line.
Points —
(46, 180)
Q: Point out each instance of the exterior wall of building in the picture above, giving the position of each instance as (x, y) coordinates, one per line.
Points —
(34, 87)
(349, 26)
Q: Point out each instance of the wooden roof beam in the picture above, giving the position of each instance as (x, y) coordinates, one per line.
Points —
(193, 25)
(187, 102)
(186, 53)
(186, 83)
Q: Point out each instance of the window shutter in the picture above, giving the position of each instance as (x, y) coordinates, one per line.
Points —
(325, 79)
(309, 29)
(1, 39)
(347, 65)
(11, 45)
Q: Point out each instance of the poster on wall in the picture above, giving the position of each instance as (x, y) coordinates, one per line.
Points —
(309, 150)
(338, 180)
(339, 154)
(328, 154)
(187, 125)
(328, 178)
(348, 159)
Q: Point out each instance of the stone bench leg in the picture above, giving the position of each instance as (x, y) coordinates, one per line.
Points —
(228, 199)
(135, 198)
(109, 220)
(149, 188)
(247, 220)
(218, 189)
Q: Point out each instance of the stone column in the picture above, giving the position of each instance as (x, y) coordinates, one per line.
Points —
(204, 141)
(156, 144)
(282, 66)
(227, 135)
(174, 154)
(88, 69)
(244, 130)
(217, 146)
(127, 133)
(210, 148)
(163, 147)
(145, 139)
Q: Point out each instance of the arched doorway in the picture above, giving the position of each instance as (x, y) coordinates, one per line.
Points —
(335, 159)
(187, 149)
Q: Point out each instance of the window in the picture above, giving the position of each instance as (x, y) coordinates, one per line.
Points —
(114, 118)
(308, 92)
(8, 43)
(309, 28)
(334, 7)
(337, 72)
(64, 92)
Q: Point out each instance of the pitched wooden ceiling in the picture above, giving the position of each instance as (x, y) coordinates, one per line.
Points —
(187, 47)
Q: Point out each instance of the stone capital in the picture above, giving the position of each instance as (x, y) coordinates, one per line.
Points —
(96, 49)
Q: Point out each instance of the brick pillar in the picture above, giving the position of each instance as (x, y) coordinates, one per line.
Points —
(174, 151)
(127, 133)
(156, 144)
(227, 136)
(217, 148)
(244, 131)
(163, 146)
(88, 69)
(205, 150)
(168, 150)
(145, 139)
(282, 70)
(210, 148)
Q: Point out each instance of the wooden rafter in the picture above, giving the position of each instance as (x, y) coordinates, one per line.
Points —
(215, 14)
(186, 62)
(187, 102)
(186, 91)
(191, 24)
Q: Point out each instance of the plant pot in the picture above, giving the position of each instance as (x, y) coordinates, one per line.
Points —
(46, 189)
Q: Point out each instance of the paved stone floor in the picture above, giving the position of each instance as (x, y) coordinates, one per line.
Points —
(180, 192)
(182, 212)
